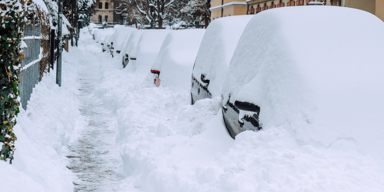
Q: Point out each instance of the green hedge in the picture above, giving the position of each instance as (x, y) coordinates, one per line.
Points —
(12, 21)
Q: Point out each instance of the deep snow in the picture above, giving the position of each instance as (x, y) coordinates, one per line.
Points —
(177, 56)
(151, 139)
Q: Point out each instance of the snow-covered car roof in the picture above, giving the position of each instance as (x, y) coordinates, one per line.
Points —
(315, 71)
(216, 50)
(132, 42)
(177, 56)
(121, 36)
(149, 46)
(102, 33)
(107, 41)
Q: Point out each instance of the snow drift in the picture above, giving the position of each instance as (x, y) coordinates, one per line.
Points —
(44, 131)
(177, 56)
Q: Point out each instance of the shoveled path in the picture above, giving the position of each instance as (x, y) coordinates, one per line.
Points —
(94, 156)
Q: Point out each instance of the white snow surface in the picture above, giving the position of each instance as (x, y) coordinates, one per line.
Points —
(44, 131)
(177, 56)
(148, 48)
(131, 45)
(168, 145)
(102, 33)
(319, 84)
(216, 50)
(121, 36)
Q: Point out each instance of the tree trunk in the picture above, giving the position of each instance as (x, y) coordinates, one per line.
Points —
(205, 20)
(160, 23)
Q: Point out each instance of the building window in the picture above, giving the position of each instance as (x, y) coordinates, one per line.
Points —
(106, 18)
(106, 5)
(100, 5)
(100, 19)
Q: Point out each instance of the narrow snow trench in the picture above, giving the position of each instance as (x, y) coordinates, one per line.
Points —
(93, 154)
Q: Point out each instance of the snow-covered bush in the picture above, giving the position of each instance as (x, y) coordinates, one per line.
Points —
(12, 18)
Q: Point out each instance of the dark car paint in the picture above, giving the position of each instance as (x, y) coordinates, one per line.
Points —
(199, 91)
(232, 123)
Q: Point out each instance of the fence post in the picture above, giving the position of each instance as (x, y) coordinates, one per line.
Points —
(58, 70)
(52, 56)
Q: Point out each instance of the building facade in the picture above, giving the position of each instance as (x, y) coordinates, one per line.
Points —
(225, 8)
(105, 12)
(375, 7)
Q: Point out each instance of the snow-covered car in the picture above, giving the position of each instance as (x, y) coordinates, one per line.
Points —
(214, 56)
(130, 47)
(102, 33)
(106, 44)
(176, 58)
(148, 48)
(299, 68)
(120, 38)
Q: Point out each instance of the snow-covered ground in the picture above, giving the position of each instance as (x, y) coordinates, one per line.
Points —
(117, 132)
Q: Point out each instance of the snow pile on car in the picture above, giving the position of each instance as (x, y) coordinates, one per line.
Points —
(121, 36)
(216, 50)
(148, 48)
(177, 56)
(44, 131)
(132, 42)
(102, 33)
(169, 145)
(318, 81)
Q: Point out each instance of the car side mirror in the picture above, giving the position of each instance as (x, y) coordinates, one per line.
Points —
(204, 80)
(247, 106)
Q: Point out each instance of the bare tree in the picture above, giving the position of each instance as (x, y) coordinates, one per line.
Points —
(197, 10)
(155, 10)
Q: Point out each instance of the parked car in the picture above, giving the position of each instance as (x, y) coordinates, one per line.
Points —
(176, 57)
(304, 70)
(148, 48)
(106, 44)
(120, 38)
(214, 56)
(102, 33)
(131, 46)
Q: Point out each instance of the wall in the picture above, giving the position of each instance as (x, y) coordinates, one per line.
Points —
(366, 5)
(103, 12)
(379, 10)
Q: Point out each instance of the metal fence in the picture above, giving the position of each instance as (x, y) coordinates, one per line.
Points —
(30, 72)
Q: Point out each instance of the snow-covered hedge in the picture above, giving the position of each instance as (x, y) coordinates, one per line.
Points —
(12, 18)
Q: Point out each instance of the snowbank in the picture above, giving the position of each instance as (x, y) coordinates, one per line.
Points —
(148, 48)
(43, 132)
(216, 50)
(177, 56)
